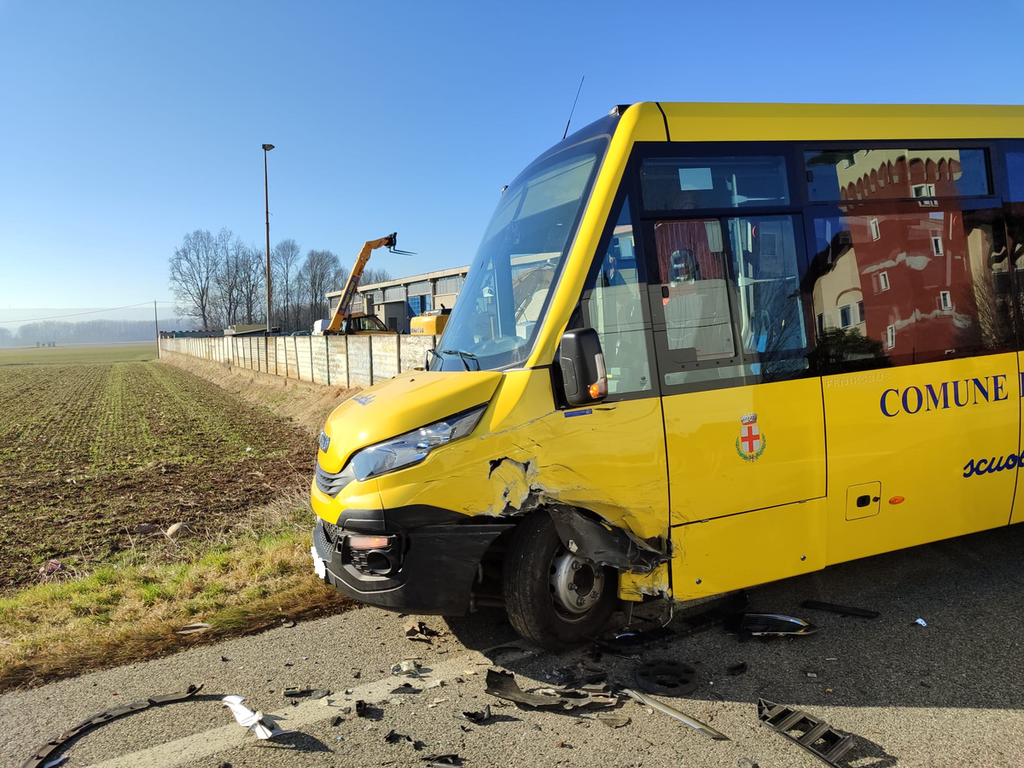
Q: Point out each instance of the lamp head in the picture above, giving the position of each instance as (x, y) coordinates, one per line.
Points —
(267, 147)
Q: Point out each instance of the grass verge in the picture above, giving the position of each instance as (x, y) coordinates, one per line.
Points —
(130, 610)
(241, 578)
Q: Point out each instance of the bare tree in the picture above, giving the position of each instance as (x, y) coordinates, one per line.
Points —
(228, 280)
(319, 274)
(253, 283)
(373, 275)
(285, 262)
(193, 268)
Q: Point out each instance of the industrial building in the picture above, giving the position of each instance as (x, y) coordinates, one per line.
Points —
(396, 302)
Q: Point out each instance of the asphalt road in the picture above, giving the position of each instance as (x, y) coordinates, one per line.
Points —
(946, 694)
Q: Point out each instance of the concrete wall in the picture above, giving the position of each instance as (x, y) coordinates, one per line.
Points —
(337, 361)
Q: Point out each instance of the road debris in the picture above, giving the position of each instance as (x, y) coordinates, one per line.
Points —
(666, 677)
(806, 731)
(408, 668)
(613, 719)
(262, 725)
(295, 692)
(394, 737)
(842, 610)
(442, 761)
(419, 632)
(477, 718)
(41, 754)
(707, 730)
(503, 686)
(767, 625)
(192, 629)
(407, 688)
(922, 622)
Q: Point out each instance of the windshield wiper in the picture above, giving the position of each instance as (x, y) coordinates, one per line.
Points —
(462, 356)
(434, 352)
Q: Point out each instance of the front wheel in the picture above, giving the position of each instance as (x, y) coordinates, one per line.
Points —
(553, 597)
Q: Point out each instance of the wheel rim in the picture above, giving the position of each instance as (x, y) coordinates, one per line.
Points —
(576, 583)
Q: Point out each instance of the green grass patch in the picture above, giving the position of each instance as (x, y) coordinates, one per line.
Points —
(126, 613)
(73, 355)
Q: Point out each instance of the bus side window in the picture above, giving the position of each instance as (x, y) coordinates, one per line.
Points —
(611, 305)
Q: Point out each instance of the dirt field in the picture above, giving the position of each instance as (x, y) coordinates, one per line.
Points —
(88, 451)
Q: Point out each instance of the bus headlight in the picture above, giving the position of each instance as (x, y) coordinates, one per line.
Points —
(413, 447)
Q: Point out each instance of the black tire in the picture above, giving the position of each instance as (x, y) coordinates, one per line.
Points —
(536, 558)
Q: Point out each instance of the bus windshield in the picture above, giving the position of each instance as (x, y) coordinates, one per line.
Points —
(507, 290)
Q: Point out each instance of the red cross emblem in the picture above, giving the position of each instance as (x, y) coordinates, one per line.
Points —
(750, 444)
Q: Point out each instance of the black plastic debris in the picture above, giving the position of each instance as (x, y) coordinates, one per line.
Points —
(41, 755)
(407, 688)
(630, 639)
(737, 669)
(768, 625)
(478, 718)
(806, 731)
(503, 686)
(361, 709)
(666, 677)
(294, 692)
(442, 761)
(418, 631)
(665, 709)
(394, 737)
(338, 720)
(842, 610)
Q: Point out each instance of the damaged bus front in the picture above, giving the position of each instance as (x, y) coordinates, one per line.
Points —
(494, 477)
(668, 314)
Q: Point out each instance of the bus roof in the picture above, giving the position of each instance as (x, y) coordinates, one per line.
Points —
(834, 122)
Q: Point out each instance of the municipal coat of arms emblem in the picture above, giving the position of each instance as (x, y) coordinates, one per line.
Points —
(751, 443)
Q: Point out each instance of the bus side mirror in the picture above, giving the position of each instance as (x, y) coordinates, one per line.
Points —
(582, 363)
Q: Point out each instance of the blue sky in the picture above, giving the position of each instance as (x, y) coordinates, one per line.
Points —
(125, 125)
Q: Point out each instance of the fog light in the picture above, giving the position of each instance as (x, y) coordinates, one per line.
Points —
(369, 542)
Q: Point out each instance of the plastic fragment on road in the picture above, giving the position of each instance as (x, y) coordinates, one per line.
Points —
(768, 625)
(442, 761)
(842, 610)
(257, 722)
(503, 686)
(613, 719)
(922, 622)
(704, 728)
(40, 758)
(408, 668)
(477, 718)
(806, 731)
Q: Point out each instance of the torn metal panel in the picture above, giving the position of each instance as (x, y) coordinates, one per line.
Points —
(768, 625)
(41, 755)
(511, 484)
(611, 546)
(503, 686)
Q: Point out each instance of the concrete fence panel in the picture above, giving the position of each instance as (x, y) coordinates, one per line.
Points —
(360, 361)
(385, 356)
(337, 360)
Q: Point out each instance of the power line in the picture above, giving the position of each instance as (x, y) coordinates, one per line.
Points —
(88, 312)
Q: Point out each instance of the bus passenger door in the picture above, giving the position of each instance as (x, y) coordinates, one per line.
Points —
(743, 416)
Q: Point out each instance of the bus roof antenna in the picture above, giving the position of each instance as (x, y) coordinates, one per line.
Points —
(573, 106)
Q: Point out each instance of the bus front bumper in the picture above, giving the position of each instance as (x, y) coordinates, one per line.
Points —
(428, 569)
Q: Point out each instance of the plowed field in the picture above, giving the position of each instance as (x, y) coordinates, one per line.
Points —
(87, 452)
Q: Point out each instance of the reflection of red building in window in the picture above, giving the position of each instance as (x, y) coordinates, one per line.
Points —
(917, 266)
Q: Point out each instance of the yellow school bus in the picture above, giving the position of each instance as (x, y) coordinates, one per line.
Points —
(701, 347)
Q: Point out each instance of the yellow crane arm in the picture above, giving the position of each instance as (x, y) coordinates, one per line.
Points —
(341, 310)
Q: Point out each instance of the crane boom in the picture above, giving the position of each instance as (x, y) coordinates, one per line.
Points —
(353, 279)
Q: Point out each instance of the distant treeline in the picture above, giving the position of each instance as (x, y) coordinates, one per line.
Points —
(86, 332)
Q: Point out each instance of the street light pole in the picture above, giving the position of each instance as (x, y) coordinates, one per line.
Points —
(266, 196)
